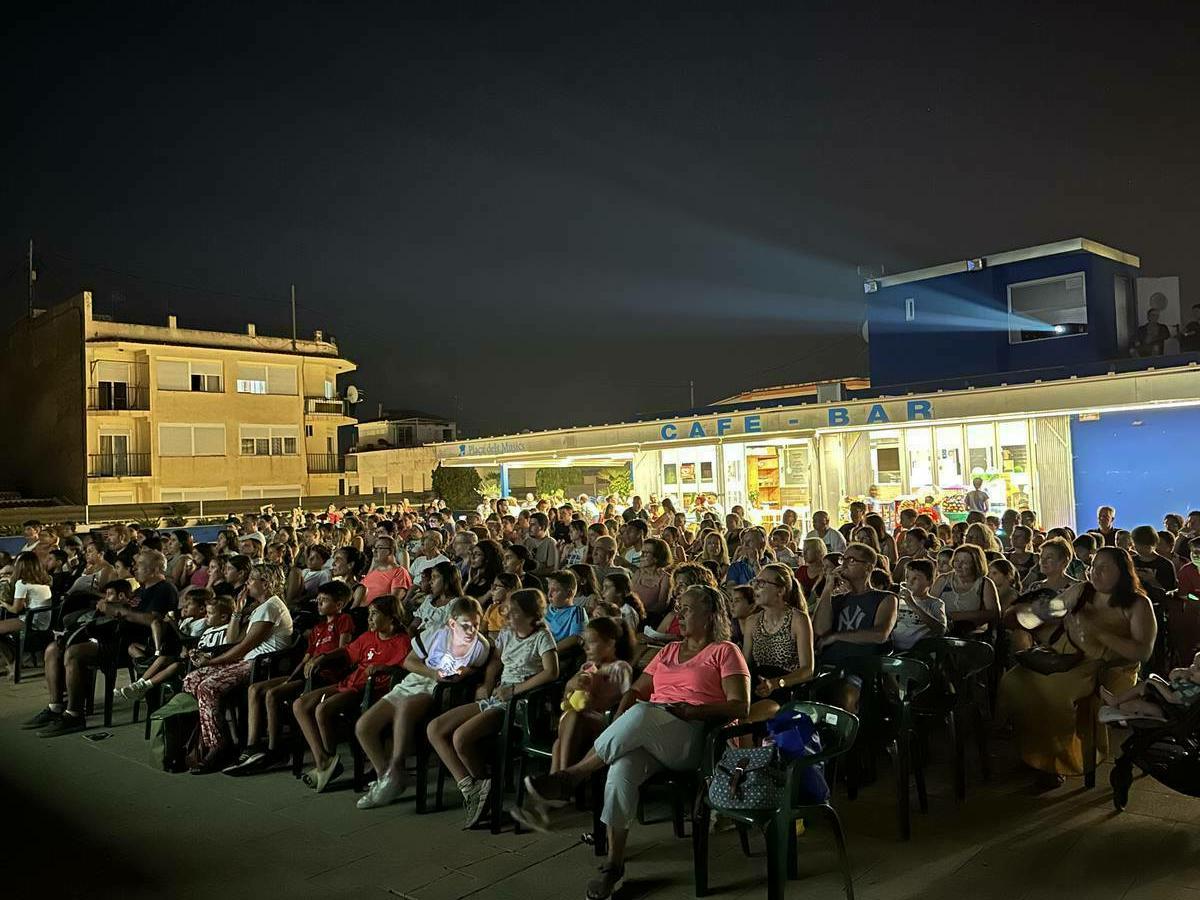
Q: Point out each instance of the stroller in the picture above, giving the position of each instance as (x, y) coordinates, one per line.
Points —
(1169, 752)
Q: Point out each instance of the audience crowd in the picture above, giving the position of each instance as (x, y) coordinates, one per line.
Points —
(654, 624)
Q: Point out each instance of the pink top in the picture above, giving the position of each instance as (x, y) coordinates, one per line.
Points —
(381, 582)
(698, 680)
(199, 578)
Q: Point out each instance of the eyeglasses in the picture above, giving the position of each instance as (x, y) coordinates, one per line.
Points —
(759, 582)
(854, 559)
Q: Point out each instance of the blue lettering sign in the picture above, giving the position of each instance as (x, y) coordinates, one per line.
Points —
(669, 432)
(920, 409)
(751, 424)
(723, 425)
(877, 414)
(839, 415)
(697, 430)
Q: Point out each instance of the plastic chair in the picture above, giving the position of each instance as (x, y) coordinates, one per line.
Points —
(886, 716)
(959, 669)
(838, 730)
(36, 634)
(535, 711)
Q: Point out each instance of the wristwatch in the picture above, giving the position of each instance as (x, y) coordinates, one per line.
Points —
(782, 684)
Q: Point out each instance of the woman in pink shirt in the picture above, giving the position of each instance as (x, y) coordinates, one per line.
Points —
(660, 724)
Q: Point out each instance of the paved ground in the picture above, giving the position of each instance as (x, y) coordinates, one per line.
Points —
(94, 819)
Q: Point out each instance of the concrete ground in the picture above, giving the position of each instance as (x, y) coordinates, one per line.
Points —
(94, 819)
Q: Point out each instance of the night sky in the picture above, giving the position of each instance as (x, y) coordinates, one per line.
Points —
(559, 214)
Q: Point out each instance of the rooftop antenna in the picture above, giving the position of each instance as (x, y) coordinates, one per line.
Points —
(293, 316)
(32, 277)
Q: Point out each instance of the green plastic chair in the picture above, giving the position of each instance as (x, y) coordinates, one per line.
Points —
(838, 730)
(959, 670)
(886, 709)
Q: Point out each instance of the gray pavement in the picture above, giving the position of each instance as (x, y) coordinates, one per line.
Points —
(94, 819)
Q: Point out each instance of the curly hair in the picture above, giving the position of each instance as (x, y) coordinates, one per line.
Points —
(272, 575)
(719, 627)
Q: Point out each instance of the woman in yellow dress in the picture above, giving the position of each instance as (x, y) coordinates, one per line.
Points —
(1111, 622)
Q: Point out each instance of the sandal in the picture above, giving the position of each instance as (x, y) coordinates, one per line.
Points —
(327, 775)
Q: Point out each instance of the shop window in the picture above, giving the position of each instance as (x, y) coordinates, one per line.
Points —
(950, 457)
(918, 442)
(1047, 308)
(885, 459)
(981, 449)
(706, 471)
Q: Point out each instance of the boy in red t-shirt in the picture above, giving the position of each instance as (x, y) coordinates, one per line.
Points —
(332, 633)
(385, 644)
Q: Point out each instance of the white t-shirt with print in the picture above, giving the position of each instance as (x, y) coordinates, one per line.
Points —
(432, 618)
(910, 628)
(276, 612)
(521, 658)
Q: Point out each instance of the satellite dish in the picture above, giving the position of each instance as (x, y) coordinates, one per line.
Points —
(352, 395)
(866, 333)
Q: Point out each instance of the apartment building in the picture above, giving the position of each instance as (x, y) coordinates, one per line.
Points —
(115, 412)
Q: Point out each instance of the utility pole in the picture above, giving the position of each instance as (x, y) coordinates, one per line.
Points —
(293, 316)
(32, 278)
(692, 393)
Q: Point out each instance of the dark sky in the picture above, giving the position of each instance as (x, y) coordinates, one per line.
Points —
(546, 216)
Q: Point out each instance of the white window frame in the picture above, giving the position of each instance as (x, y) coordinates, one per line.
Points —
(263, 385)
(193, 426)
(1014, 331)
(270, 434)
(261, 491)
(191, 364)
(192, 495)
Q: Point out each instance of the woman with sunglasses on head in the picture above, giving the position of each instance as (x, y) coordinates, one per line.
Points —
(779, 640)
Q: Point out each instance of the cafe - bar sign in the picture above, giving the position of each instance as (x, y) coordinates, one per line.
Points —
(836, 416)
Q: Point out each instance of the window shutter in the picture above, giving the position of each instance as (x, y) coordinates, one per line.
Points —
(174, 440)
(173, 375)
(281, 380)
(210, 440)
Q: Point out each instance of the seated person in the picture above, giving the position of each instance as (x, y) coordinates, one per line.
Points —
(526, 659)
(853, 619)
(123, 615)
(595, 690)
(383, 645)
(968, 593)
(616, 588)
(453, 651)
(333, 632)
(31, 592)
(564, 619)
(661, 723)
(918, 615)
(495, 617)
(168, 642)
(1139, 702)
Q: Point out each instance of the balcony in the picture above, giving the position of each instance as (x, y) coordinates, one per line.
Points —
(325, 406)
(326, 463)
(118, 465)
(116, 396)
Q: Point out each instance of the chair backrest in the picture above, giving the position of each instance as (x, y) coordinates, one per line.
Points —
(955, 657)
(837, 727)
(911, 676)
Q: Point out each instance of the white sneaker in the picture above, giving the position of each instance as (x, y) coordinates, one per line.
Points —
(381, 793)
(137, 690)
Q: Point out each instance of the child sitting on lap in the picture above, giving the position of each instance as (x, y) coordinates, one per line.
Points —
(595, 690)
(168, 658)
(1181, 690)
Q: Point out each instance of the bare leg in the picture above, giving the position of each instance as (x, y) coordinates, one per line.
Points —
(304, 711)
(616, 845)
(55, 673)
(277, 700)
(469, 737)
(327, 716)
(164, 674)
(78, 660)
(256, 697)
(441, 736)
(368, 731)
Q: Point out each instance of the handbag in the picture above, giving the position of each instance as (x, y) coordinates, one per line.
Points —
(1046, 660)
(796, 736)
(749, 779)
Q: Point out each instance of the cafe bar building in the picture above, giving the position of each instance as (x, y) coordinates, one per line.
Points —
(1029, 369)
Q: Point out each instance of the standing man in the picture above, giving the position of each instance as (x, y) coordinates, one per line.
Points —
(978, 499)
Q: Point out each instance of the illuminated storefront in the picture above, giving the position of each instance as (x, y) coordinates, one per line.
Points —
(808, 456)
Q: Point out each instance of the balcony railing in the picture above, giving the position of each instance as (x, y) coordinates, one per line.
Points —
(326, 463)
(118, 465)
(118, 396)
(325, 406)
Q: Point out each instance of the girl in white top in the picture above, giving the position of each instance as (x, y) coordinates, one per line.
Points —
(31, 592)
(527, 659)
(452, 651)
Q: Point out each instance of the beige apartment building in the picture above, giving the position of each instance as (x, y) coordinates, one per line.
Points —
(113, 412)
